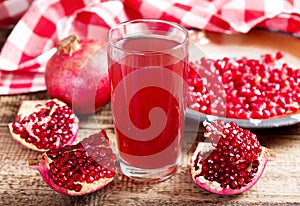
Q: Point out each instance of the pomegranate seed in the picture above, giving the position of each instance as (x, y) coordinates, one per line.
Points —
(279, 55)
(77, 187)
(267, 58)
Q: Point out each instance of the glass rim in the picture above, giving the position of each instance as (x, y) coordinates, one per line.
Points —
(174, 24)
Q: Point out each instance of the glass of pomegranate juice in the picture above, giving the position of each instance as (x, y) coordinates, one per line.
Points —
(147, 61)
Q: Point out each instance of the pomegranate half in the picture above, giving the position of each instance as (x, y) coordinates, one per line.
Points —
(41, 125)
(78, 75)
(231, 162)
(78, 169)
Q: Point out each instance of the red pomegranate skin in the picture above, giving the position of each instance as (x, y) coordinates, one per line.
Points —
(77, 75)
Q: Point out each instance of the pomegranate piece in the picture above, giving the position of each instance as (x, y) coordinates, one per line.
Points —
(244, 88)
(78, 75)
(41, 125)
(78, 169)
(232, 162)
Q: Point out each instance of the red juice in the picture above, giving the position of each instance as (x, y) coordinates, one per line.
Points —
(148, 102)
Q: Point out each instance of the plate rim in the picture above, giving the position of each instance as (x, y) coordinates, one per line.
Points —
(273, 122)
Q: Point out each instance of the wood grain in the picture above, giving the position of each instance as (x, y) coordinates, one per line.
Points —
(20, 185)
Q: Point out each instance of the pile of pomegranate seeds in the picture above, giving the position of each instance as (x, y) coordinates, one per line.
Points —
(244, 88)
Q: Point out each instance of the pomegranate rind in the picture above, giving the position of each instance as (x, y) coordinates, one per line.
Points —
(214, 187)
(42, 165)
(26, 108)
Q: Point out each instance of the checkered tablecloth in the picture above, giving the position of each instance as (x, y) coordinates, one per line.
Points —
(39, 25)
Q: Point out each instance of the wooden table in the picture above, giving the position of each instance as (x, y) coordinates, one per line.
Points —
(280, 185)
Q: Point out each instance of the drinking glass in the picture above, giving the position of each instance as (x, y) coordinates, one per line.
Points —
(147, 61)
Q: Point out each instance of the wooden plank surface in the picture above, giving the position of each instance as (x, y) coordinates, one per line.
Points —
(20, 185)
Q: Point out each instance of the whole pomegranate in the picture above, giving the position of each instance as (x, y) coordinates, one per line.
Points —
(78, 169)
(41, 125)
(78, 75)
(232, 162)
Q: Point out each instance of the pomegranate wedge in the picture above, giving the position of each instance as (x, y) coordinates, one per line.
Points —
(44, 124)
(232, 162)
(78, 169)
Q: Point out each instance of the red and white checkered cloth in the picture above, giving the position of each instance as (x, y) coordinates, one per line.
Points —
(11, 11)
(33, 39)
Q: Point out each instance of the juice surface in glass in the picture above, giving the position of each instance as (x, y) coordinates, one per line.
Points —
(152, 84)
